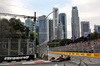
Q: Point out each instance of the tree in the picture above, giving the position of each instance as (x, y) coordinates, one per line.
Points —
(64, 42)
(4, 28)
(19, 31)
(56, 40)
(96, 35)
(13, 28)
(32, 37)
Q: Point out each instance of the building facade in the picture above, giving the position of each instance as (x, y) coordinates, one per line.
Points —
(55, 22)
(85, 27)
(43, 29)
(75, 23)
(37, 27)
(29, 23)
(97, 28)
(22, 23)
(60, 32)
(50, 30)
(62, 19)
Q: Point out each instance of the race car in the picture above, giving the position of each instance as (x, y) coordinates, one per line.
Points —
(60, 58)
(67, 57)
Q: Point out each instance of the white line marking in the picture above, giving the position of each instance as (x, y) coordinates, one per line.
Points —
(28, 63)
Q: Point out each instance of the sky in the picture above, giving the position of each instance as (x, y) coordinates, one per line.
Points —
(89, 10)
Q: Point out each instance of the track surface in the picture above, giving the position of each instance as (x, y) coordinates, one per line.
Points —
(75, 61)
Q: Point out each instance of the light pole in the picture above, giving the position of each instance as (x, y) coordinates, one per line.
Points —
(42, 27)
(34, 27)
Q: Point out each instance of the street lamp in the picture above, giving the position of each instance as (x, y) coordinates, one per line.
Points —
(42, 27)
(34, 27)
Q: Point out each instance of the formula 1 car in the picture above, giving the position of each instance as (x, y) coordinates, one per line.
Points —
(60, 58)
(53, 59)
(67, 58)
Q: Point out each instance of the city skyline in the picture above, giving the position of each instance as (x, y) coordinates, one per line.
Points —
(75, 24)
(88, 10)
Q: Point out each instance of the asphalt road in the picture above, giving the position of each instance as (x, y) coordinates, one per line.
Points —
(80, 60)
(51, 64)
(75, 61)
(58, 64)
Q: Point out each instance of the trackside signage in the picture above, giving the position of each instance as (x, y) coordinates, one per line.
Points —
(78, 54)
(16, 58)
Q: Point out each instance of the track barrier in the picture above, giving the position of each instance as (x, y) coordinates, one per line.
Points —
(97, 55)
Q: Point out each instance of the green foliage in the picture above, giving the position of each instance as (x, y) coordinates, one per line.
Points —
(13, 28)
(14, 52)
(94, 35)
(57, 40)
(32, 37)
(4, 28)
(64, 42)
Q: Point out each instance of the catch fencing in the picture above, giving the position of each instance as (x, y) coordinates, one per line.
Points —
(14, 46)
(92, 46)
(42, 50)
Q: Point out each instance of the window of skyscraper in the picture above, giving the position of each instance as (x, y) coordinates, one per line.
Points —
(85, 27)
(74, 7)
(55, 14)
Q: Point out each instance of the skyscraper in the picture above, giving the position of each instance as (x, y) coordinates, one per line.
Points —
(22, 23)
(75, 23)
(60, 32)
(50, 30)
(29, 23)
(55, 22)
(43, 29)
(62, 18)
(85, 27)
(97, 28)
(37, 27)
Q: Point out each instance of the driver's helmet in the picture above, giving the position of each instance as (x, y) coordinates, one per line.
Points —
(61, 55)
(65, 56)
(68, 55)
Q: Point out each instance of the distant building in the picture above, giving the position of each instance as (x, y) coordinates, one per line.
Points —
(75, 23)
(43, 29)
(22, 23)
(62, 18)
(85, 27)
(55, 22)
(50, 30)
(60, 32)
(37, 27)
(97, 28)
(29, 23)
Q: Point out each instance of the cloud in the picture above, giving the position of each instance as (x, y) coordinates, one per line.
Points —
(4, 6)
(88, 11)
(16, 7)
